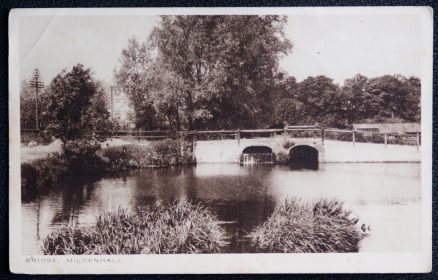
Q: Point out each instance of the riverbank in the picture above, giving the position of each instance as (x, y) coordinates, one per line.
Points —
(153, 154)
(44, 165)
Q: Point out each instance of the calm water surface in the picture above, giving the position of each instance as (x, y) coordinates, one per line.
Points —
(386, 196)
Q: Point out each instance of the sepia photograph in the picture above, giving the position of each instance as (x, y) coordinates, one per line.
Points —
(230, 140)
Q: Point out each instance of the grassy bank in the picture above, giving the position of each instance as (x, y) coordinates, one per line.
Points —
(156, 154)
(297, 227)
(159, 229)
(41, 173)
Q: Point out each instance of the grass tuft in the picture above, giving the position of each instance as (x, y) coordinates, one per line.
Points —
(159, 229)
(296, 227)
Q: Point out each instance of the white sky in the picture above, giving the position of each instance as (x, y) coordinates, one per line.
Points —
(338, 46)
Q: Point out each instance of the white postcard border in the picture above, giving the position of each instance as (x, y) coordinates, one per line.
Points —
(222, 263)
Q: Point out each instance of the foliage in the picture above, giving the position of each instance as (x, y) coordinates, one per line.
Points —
(190, 70)
(383, 98)
(295, 227)
(160, 153)
(133, 77)
(77, 158)
(82, 157)
(40, 174)
(74, 105)
(158, 229)
(281, 157)
(27, 106)
(288, 143)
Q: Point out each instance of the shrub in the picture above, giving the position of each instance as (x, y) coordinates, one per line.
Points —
(160, 153)
(339, 136)
(287, 144)
(369, 138)
(81, 156)
(80, 148)
(281, 157)
(299, 228)
(41, 137)
(42, 173)
(158, 229)
(128, 156)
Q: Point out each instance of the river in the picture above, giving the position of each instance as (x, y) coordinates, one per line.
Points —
(385, 196)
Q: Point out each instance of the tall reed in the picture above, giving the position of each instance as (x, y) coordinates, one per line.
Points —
(297, 227)
(178, 228)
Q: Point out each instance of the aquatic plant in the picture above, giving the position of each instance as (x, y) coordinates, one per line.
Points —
(180, 227)
(281, 157)
(297, 227)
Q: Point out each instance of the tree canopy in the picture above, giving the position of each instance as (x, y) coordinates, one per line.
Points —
(218, 72)
(211, 70)
(74, 105)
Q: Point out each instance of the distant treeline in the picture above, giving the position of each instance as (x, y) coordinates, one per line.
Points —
(219, 72)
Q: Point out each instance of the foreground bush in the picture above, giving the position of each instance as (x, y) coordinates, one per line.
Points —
(177, 228)
(300, 228)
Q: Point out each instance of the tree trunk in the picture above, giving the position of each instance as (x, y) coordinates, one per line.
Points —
(178, 121)
(189, 101)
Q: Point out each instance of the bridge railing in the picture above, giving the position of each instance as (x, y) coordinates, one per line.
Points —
(321, 133)
(355, 136)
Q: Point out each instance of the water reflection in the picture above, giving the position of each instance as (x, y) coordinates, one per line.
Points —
(241, 196)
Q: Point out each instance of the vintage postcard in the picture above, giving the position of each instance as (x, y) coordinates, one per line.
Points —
(220, 140)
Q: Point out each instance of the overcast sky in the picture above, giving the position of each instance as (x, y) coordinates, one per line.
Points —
(337, 46)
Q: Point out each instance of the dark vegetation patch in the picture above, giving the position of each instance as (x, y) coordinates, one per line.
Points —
(159, 229)
(157, 154)
(295, 227)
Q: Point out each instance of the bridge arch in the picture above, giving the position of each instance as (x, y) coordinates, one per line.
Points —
(304, 157)
(257, 149)
(257, 154)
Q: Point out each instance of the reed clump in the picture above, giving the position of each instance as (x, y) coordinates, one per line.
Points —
(296, 227)
(178, 228)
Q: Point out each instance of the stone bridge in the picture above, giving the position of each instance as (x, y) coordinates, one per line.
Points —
(223, 151)
(232, 149)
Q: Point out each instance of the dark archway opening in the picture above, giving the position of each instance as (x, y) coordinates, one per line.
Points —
(303, 157)
(257, 150)
(257, 154)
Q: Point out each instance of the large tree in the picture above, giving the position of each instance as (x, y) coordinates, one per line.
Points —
(225, 66)
(322, 100)
(397, 97)
(27, 106)
(360, 103)
(74, 105)
(133, 76)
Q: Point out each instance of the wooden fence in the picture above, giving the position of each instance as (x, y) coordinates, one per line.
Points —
(322, 133)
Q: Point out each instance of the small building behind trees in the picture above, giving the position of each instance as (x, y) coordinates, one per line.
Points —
(389, 128)
(120, 105)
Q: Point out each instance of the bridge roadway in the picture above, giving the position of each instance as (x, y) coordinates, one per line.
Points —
(223, 151)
